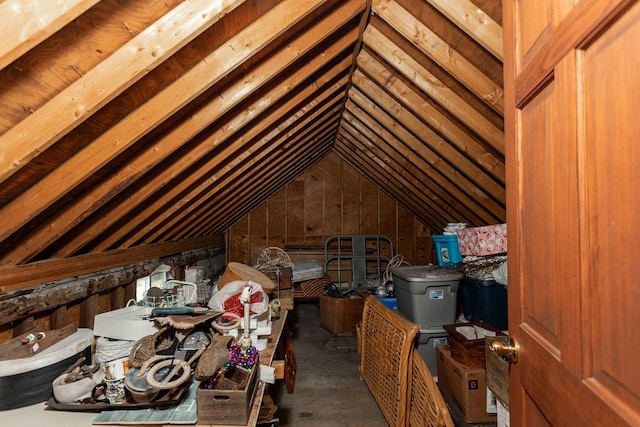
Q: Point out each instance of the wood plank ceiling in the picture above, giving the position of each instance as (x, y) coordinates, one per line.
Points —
(127, 122)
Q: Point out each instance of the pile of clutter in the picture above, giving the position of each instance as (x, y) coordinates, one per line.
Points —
(216, 342)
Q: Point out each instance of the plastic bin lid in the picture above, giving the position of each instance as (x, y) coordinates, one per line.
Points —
(426, 273)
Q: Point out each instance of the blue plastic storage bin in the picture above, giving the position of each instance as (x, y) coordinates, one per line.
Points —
(390, 302)
(484, 301)
(447, 249)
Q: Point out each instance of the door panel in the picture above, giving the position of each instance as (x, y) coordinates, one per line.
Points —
(573, 195)
(612, 204)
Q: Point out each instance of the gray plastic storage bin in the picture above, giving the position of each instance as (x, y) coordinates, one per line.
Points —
(428, 340)
(427, 295)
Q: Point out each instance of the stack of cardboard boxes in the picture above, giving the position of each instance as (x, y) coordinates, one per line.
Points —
(471, 381)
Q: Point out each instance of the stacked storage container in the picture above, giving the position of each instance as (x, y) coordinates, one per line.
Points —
(427, 296)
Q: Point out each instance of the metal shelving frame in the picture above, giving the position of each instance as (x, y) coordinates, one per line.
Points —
(357, 261)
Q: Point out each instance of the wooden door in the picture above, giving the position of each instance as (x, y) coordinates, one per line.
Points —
(572, 122)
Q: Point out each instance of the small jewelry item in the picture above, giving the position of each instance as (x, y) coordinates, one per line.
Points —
(238, 356)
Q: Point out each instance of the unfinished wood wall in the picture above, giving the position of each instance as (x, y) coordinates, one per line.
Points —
(331, 197)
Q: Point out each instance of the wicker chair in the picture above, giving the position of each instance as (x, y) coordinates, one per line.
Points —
(426, 406)
(387, 340)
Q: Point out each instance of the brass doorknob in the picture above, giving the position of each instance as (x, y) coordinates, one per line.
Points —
(507, 349)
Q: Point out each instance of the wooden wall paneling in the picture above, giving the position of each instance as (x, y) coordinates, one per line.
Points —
(89, 307)
(238, 241)
(314, 205)
(405, 245)
(350, 200)
(416, 229)
(382, 179)
(332, 194)
(425, 253)
(23, 326)
(403, 193)
(355, 155)
(387, 210)
(252, 203)
(117, 298)
(58, 317)
(295, 211)
(104, 300)
(369, 221)
(277, 203)
(258, 231)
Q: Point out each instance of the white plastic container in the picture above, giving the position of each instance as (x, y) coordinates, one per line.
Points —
(29, 380)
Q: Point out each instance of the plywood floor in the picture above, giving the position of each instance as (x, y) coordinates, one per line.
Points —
(328, 390)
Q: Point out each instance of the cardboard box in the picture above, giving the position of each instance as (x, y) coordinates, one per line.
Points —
(340, 315)
(497, 373)
(480, 241)
(464, 387)
(227, 407)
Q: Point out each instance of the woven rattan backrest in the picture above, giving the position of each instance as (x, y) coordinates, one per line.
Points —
(386, 344)
(426, 406)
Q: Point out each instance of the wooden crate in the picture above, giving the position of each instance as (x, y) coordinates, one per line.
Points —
(497, 373)
(469, 352)
(227, 407)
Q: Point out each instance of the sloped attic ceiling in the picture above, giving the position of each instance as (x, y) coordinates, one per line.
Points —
(128, 123)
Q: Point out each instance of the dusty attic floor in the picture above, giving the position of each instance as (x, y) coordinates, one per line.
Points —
(328, 389)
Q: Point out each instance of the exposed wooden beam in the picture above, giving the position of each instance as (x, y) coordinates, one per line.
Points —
(473, 21)
(246, 158)
(58, 282)
(448, 179)
(408, 175)
(459, 148)
(103, 83)
(433, 87)
(441, 52)
(28, 22)
(305, 154)
(159, 209)
(425, 203)
(476, 182)
(124, 134)
(43, 272)
(266, 154)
